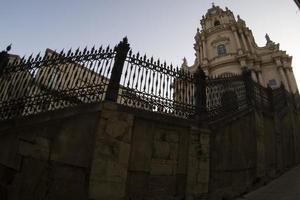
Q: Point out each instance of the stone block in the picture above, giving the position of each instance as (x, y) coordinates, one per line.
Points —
(141, 147)
(203, 176)
(137, 184)
(116, 128)
(108, 170)
(67, 182)
(74, 141)
(162, 186)
(9, 156)
(173, 137)
(163, 167)
(108, 148)
(124, 152)
(161, 150)
(204, 139)
(106, 190)
(39, 149)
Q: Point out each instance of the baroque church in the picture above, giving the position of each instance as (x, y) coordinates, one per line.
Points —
(226, 46)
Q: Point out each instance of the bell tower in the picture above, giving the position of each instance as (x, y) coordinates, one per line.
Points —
(225, 45)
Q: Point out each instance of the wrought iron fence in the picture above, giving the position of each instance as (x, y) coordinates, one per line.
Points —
(226, 94)
(156, 86)
(54, 81)
(60, 80)
(262, 97)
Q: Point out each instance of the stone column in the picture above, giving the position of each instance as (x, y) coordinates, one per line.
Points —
(294, 80)
(198, 164)
(249, 41)
(204, 49)
(253, 75)
(239, 49)
(201, 53)
(108, 173)
(244, 40)
(260, 79)
(283, 78)
(286, 72)
(205, 60)
(291, 80)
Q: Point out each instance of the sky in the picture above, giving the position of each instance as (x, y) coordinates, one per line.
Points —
(163, 29)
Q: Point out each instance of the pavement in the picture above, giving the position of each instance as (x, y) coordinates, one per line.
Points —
(286, 187)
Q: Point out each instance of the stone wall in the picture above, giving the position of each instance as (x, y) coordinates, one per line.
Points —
(158, 161)
(251, 150)
(47, 156)
(106, 151)
(233, 157)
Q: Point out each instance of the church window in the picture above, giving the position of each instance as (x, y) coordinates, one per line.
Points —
(272, 82)
(217, 23)
(221, 50)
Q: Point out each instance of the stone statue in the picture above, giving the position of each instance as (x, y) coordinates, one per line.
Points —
(184, 62)
(268, 38)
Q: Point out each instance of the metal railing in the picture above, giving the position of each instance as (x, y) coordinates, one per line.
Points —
(55, 81)
(61, 80)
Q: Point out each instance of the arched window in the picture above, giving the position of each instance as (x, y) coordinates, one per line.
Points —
(221, 50)
(217, 23)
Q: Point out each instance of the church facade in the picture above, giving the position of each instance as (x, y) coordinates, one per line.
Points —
(227, 46)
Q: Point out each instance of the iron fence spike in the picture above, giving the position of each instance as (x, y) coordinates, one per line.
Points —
(84, 50)
(77, 51)
(37, 56)
(69, 52)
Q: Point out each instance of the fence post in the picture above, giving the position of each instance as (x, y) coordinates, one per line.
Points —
(114, 82)
(200, 93)
(270, 97)
(4, 59)
(248, 85)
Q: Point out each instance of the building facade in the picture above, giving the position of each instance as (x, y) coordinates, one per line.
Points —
(226, 46)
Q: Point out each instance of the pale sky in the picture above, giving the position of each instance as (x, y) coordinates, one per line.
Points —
(164, 29)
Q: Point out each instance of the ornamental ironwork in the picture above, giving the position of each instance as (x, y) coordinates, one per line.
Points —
(66, 79)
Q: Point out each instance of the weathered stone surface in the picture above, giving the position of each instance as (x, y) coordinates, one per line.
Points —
(198, 163)
(118, 155)
(9, 150)
(39, 148)
(109, 168)
(74, 141)
(158, 161)
(163, 167)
